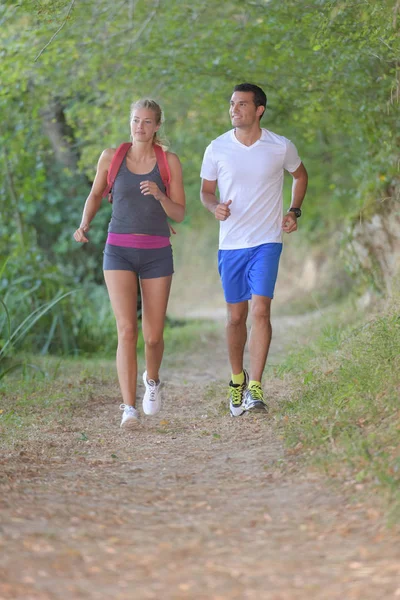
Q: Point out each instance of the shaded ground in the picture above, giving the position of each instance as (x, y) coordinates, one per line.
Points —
(191, 505)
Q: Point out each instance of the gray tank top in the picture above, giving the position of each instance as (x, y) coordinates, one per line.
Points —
(132, 212)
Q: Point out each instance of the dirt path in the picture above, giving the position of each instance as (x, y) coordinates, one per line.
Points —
(192, 505)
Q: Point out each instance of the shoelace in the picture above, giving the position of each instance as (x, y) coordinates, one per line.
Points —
(236, 392)
(153, 389)
(256, 393)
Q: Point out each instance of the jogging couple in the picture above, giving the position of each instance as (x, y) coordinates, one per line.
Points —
(247, 165)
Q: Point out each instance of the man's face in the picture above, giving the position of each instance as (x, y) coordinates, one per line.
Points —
(243, 111)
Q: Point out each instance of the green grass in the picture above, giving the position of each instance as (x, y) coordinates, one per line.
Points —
(346, 410)
(183, 336)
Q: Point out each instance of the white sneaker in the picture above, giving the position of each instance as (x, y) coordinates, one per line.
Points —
(152, 396)
(130, 416)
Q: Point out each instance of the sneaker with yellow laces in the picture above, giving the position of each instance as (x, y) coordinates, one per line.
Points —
(254, 399)
(236, 395)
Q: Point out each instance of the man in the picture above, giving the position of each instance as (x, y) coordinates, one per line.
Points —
(247, 163)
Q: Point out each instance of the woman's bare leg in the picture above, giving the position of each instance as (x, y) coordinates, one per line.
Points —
(123, 289)
(155, 294)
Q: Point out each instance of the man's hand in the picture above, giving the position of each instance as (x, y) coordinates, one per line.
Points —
(222, 211)
(79, 235)
(289, 223)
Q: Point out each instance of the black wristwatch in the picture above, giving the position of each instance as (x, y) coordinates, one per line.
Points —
(296, 211)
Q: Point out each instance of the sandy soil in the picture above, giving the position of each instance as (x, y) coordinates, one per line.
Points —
(191, 505)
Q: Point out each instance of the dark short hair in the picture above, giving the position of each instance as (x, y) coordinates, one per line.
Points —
(260, 97)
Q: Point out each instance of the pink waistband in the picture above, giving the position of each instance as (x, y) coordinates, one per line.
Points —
(132, 240)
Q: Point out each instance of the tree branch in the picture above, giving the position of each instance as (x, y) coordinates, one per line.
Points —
(57, 32)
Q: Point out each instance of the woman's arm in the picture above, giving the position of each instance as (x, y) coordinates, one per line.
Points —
(175, 205)
(94, 199)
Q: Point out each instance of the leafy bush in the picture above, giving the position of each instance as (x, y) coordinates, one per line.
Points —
(44, 310)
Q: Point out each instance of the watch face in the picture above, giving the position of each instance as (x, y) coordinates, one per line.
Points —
(296, 211)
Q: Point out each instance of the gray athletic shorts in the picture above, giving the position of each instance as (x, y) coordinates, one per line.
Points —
(148, 263)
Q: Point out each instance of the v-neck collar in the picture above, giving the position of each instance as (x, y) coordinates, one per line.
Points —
(260, 139)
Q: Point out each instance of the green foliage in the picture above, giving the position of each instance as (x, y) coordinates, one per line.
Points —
(71, 69)
(72, 320)
(32, 290)
(94, 323)
(16, 323)
(330, 70)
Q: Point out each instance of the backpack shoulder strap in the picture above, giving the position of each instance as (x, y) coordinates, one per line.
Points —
(165, 173)
(115, 166)
(163, 166)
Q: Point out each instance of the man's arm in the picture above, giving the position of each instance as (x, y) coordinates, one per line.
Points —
(299, 188)
(208, 198)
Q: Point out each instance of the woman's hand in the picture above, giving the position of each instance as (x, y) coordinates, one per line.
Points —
(79, 235)
(149, 188)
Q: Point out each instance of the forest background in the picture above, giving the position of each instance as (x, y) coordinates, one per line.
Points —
(71, 69)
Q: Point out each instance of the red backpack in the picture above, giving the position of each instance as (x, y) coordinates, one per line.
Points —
(119, 156)
(116, 163)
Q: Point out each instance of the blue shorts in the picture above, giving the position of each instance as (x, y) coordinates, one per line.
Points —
(249, 271)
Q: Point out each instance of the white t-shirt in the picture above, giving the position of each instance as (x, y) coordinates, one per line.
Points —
(252, 177)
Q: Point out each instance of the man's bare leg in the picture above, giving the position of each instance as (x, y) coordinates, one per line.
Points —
(236, 334)
(260, 335)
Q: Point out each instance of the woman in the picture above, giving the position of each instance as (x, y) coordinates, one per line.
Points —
(138, 246)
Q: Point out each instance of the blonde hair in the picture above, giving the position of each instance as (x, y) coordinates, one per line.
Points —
(152, 105)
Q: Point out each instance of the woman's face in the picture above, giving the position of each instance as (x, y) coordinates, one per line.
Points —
(143, 125)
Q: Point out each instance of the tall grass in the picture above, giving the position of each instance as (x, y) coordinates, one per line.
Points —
(44, 311)
(17, 336)
(346, 411)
